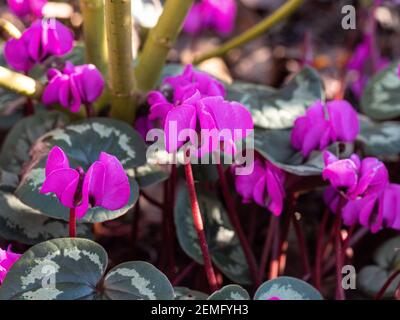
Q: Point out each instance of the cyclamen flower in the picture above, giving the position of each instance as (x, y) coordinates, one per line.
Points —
(7, 259)
(360, 65)
(23, 8)
(323, 125)
(376, 211)
(105, 184)
(73, 86)
(219, 15)
(198, 105)
(265, 185)
(143, 125)
(40, 41)
(355, 178)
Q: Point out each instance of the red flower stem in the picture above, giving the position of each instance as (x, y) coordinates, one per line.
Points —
(72, 223)
(318, 253)
(89, 110)
(302, 245)
(199, 226)
(387, 284)
(339, 252)
(184, 273)
(135, 226)
(252, 224)
(170, 220)
(274, 263)
(30, 109)
(269, 235)
(234, 218)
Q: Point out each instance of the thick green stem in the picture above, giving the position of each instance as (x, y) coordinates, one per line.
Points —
(9, 30)
(95, 41)
(121, 76)
(159, 41)
(283, 12)
(20, 83)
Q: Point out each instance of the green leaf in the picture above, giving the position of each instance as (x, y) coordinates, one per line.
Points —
(387, 260)
(137, 280)
(83, 142)
(22, 137)
(287, 288)
(21, 223)
(230, 292)
(278, 109)
(224, 245)
(380, 139)
(182, 293)
(381, 97)
(62, 269)
(73, 268)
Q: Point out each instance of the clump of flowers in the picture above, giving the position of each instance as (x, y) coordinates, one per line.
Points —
(40, 41)
(218, 15)
(7, 259)
(198, 104)
(105, 184)
(24, 8)
(265, 186)
(324, 124)
(73, 86)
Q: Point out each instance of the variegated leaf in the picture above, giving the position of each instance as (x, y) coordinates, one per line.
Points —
(183, 293)
(230, 292)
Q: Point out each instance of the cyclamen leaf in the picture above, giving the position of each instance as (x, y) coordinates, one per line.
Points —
(73, 268)
(182, 293)
(230, 292)
(287, 288)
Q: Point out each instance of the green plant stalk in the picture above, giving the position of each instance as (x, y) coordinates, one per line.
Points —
(96, 42)
(121, 75)
(281, 13)
(159, 41)
(20, 83)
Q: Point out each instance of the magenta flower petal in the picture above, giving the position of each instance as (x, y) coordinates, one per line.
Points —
(245, 183)
(57, 182)
(89, 81)
(181, 118)
(194, 21)
(7, 260)
(341, 174)
(344, 120)
(22, 8)
(260, 191)
(224, 15)
(17, 56)
(117, 193)
(276, 193)
(155, 97)
(56, 160)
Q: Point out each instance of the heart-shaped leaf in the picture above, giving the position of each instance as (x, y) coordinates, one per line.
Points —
(82, 142)
(380, 139)
(223, 243)
(73, 268)
(381, 97)
(230, 292)
(182, 293)
(287, 288)
(278, 109)
(21, 223)
(137, 280)
(387, 260)
(21, 138)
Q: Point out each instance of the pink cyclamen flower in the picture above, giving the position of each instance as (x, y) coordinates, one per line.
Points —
(360, 65)
(73, 86)
(40, 41)
(323, 125)
(265, 185)
(354, 177)
(7, 259)
(375, 211)
(23, 8)
(219, 15)
(143, 125)
(105, 184)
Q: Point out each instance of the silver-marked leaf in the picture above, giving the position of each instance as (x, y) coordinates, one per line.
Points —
(19, 141)
(83, 142)
(183, 293)
(224, 245)
(230, 292)
(62, 269)
(387, 260)
(287, 288)
(381, 97)
(380, 139)
(21, 223)
(137, 280)
(278, 109)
